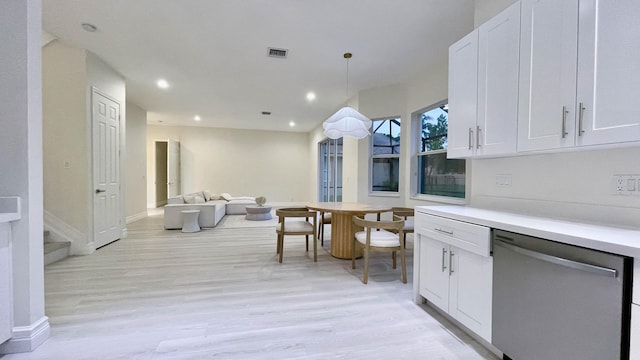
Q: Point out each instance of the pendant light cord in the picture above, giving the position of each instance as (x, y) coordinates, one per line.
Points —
(347, 56)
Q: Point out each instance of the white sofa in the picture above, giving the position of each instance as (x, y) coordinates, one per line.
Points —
(212, 208)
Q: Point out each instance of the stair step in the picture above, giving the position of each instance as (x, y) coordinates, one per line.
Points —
(55, 251)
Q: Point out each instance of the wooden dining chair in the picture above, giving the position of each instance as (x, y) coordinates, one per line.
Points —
(325, 218)
(408, 215)
(296, 227)
(387, 239)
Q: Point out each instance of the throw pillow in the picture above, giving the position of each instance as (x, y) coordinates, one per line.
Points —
(226, 196)
(199, 200)
(207, 195)
(189, 199)
(216, 197)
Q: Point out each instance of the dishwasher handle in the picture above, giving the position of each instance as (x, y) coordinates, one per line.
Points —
(558, 260)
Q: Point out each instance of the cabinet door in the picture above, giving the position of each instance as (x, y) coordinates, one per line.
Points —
(608, 71)
(471, 291)
(547, 82)
(498, 63)
(463, 96)
(635, 332)
(434, 272)
(6, 289)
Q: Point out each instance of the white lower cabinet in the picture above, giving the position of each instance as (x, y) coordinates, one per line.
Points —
(459, 283)
(6, 292)
(635, 332)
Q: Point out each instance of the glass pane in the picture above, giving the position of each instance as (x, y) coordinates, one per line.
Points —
(434, 129)
(385, 174)
(440, 176)
(386, 136)
(330, 157)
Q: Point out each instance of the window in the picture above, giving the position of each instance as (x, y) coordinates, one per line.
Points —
(437, 175)
(385, 155)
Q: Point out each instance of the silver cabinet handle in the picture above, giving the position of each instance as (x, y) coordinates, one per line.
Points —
(451, 262)
(558, 260)
(580, 117)
(564, 121)
(477, 137)
(444, 231)
(470, 138)
(98, 191)
(444, 253)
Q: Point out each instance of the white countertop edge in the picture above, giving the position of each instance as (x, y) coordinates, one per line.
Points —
(610, 239)
(7, 217)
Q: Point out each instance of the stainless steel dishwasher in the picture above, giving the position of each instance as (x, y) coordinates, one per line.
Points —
(558, 301)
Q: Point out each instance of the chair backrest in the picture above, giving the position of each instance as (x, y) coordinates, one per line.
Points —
(403, 212)
(295, 213)
(397, 224)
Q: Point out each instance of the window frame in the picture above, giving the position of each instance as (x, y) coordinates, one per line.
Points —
(416, 143)
(385, 156)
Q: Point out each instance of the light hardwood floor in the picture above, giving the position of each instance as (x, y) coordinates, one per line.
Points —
(221, 294)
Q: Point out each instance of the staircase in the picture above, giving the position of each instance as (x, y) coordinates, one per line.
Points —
(54, 251)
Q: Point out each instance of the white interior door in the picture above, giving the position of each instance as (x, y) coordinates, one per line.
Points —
(173, 168)
(106, 169)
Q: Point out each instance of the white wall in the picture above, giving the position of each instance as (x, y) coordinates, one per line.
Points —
(486, 9)
(67, 130)
(238, 162)
(21, 164)
(136, 163)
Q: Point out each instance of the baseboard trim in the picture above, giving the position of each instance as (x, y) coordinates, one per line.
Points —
(136, 217)
(27, 338)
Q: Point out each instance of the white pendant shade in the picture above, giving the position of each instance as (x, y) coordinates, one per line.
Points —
(347, 122)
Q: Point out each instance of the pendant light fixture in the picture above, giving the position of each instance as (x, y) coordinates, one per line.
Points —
(347, 121)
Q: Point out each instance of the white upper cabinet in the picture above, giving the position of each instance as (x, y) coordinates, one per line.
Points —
(483, 88)
(578, 73)
(608, 72)
(463, 96)
(548, 52)
(498, 63)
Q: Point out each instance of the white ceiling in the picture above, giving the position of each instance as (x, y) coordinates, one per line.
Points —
(214, 52)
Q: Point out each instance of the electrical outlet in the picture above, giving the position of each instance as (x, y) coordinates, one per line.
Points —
(625, 185)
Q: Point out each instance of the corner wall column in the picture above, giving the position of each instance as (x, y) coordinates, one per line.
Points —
(21, 164)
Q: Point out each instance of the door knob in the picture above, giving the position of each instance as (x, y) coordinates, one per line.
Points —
(100, 191)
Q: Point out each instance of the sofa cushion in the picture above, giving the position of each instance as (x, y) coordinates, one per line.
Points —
(176, 200)
(193, 199)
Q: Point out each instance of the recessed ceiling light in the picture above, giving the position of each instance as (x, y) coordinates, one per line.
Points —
(292, 124)
(162, 83)
(197, 118)
(311, 96)
(89, 27)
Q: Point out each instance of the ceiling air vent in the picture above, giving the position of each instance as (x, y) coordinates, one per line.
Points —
(277, 53)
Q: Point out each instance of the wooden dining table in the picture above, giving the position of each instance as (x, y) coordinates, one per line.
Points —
(342, 228)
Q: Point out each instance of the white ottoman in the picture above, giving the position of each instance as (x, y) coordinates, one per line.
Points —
(190, 221)
(256, 212)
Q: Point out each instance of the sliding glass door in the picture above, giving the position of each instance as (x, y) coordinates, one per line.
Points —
(330, 172)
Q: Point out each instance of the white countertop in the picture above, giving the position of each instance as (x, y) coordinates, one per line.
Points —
(610, 239)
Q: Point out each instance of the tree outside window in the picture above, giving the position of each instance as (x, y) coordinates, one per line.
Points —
(437, 175)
